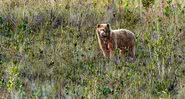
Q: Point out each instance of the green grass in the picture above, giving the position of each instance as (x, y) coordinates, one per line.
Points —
(50, 49)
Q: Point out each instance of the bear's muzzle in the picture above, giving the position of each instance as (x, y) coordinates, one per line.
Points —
(102, 34)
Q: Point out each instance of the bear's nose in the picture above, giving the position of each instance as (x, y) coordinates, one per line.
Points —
(102, 33)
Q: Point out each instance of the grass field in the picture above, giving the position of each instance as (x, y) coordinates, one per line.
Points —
(49, 49)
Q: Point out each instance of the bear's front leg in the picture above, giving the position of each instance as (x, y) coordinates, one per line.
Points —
(110, 48)
(105, 49)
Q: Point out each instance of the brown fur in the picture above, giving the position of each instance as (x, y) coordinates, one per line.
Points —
(109, 40)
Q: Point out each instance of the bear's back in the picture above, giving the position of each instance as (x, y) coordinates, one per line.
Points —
(124, 33)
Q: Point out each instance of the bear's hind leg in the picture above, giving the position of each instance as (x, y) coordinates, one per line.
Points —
(123, 52)
(132, 52)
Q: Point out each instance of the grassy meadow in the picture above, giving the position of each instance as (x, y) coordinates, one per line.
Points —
(49, 49)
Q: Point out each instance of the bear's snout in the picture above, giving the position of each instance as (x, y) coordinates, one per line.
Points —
(102, 34)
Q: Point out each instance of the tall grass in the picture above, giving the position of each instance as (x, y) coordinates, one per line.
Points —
(49, 49)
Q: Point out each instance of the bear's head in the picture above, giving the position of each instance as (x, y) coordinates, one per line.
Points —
(103, 30)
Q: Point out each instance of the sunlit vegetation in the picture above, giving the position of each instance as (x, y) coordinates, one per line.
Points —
(49, 49)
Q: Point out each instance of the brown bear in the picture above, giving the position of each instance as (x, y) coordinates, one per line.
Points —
(109, 40)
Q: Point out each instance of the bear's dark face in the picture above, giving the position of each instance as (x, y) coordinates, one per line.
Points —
(103, 30)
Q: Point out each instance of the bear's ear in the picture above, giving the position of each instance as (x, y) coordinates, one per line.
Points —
(108, 25)
(98, 25)
(180, 30)
(108, 29)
